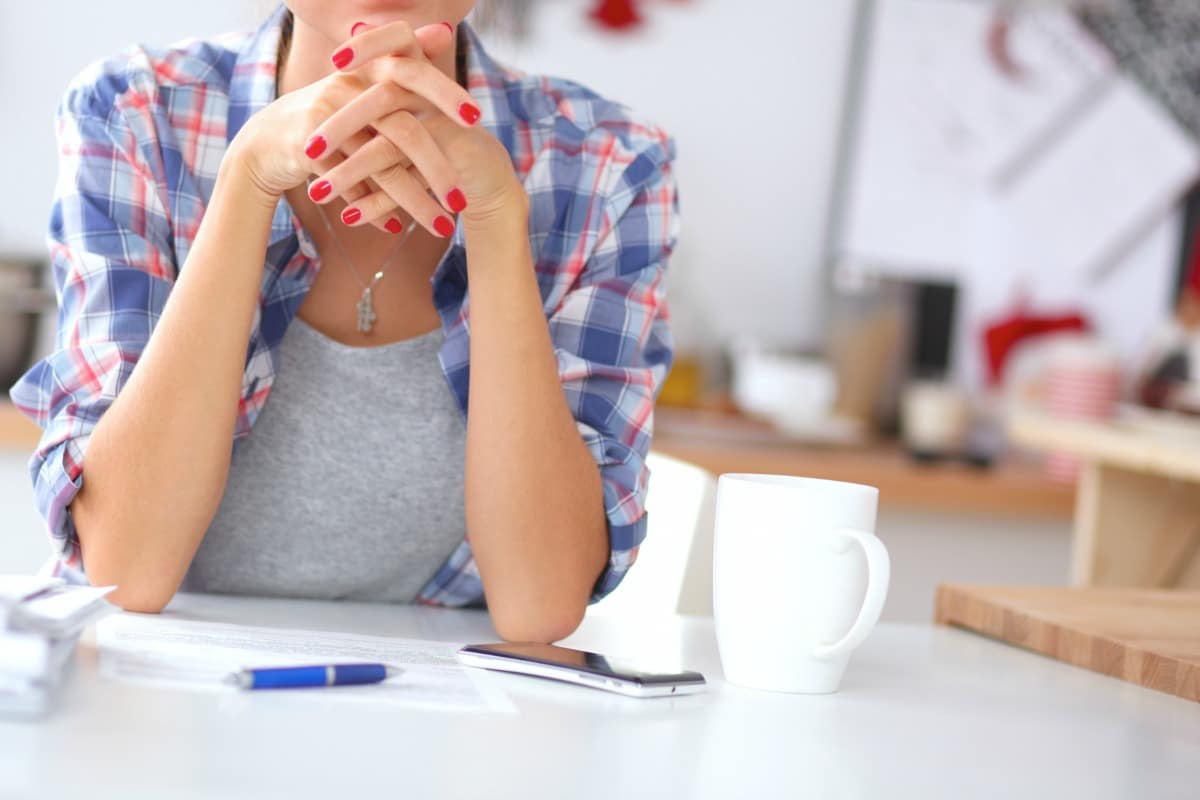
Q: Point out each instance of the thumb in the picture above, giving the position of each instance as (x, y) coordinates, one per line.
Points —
(436, 39)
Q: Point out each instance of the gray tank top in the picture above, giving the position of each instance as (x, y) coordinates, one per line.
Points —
(350, 483)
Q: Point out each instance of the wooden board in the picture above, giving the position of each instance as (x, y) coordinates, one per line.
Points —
(1147, 637)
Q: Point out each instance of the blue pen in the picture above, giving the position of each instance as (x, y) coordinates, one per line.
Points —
(317, 675)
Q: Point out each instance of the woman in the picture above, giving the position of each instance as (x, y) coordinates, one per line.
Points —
(268, 240)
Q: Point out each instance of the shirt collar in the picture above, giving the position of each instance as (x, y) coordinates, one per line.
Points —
(252, 87)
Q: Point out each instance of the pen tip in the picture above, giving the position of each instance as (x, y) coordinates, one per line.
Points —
(393, 671)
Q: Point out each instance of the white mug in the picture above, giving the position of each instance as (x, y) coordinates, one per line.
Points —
(792, 597)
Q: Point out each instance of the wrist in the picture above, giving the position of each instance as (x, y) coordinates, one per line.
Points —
(237, 169)
(508, 217)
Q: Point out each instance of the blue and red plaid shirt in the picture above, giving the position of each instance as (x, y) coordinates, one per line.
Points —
(141, 136)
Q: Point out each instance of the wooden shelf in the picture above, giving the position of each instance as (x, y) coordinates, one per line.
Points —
(1135, 523)
(17, 432)
(733, 445)
(1169, 450)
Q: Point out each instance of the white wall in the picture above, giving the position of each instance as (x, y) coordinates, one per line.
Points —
(751, 91)
(928, 548)
(42, 45)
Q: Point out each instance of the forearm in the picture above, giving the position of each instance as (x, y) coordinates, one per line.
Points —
(158, 458)
(534, 502)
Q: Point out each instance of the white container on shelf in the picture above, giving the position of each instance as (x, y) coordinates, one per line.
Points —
(791, 390)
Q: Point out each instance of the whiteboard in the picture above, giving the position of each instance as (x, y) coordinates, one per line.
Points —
(940, 122)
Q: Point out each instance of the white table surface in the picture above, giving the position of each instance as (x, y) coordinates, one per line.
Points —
(924, 712)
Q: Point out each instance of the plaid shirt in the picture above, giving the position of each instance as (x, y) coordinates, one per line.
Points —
(140, 139)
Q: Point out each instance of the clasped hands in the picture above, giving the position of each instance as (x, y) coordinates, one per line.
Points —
(388, 131)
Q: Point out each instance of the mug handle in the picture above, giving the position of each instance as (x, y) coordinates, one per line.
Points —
(879, 569)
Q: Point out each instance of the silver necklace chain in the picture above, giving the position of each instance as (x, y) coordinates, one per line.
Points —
(365, 308)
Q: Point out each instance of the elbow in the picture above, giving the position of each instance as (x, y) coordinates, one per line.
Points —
(133, 593)
(142, 593)
(143, 603)
(542, 626)
(142, 587)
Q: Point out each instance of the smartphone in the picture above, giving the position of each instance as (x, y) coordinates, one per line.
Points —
(581, 668)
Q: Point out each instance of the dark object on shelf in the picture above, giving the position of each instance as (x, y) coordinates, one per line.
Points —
(933, 328)
(1169, 383)
(978, 459)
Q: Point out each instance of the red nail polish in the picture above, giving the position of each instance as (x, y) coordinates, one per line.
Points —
(315, 146)
(320, 190)
(456, 201)
(451, 27)
(393, 225)
(354, 28)
(342, 57)
(351, 215)
(443, 226)
(469, 112)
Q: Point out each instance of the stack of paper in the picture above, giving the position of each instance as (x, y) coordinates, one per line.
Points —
(40, 622)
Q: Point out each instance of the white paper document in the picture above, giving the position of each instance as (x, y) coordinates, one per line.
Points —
(32, 656)
(198, 655)
(62, 610)
(16, 588)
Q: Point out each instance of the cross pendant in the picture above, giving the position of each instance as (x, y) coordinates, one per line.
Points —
(366, 312)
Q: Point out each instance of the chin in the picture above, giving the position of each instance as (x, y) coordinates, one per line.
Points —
(381, 12)
(334, 18)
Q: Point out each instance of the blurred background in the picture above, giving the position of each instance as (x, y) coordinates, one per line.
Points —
(943, 247)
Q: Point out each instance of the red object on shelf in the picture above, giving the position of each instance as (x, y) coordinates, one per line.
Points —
(1002, 336)
(1192, 280)
(1085, 390)
(616, 14)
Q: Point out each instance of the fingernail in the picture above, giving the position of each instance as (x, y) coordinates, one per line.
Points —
(393, 225)
(443, 226)
(320, 190)
(351, 215)
(354, 28)
(456, 201)
(469, 112)
(315, 146)
(342, 57)
(451, 27)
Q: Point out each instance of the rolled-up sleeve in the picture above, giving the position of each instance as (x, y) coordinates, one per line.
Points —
(109, 250)
(614, 346)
